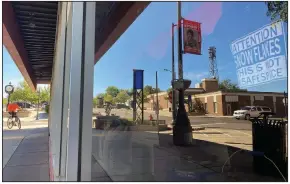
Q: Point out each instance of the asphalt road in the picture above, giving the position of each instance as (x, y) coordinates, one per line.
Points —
(210, 122)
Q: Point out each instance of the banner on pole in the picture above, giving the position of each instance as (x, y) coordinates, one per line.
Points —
(260, 56)
(191, 37)
(138, 79)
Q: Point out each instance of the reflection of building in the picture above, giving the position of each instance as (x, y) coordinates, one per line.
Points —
(152, 101)
(220, 103)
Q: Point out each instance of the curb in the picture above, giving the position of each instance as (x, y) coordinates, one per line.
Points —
(170, 127)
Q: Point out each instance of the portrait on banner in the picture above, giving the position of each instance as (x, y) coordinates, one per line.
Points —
(191, 37)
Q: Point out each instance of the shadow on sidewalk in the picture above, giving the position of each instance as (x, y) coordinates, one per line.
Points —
(213, 156)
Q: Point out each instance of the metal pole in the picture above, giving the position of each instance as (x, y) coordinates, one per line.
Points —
(134, 98)
(142, 97)
(285, 104)
(179, 46)
(157, 103)
(173, 78)
(38, 105)
(182, 130)
(8, 102)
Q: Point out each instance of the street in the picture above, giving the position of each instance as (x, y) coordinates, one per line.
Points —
(221, 130)
(217, 122)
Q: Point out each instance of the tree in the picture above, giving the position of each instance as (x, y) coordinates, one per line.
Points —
(44, 94)
(95, 101)
(227, 85)
(108, 98)
(24, 93)
(277, 10)
(113, 91)
(4, 102)
(100, 95)
(150, 90)
(122, 97)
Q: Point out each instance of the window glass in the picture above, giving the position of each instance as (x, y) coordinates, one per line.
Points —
(236, 63)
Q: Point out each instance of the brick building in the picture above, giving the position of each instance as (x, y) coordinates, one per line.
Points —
(222, 103)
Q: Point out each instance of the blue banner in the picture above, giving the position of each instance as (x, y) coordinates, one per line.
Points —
(138, 79)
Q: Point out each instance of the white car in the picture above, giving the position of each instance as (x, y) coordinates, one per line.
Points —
(249, 112)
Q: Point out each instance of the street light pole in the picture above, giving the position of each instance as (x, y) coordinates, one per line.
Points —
(37, 118)
(173, 78)
(157, 103)
(182, 130)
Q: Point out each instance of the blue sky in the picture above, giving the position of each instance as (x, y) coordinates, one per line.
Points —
(147, 45)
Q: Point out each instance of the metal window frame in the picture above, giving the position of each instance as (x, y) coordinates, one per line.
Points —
(57, 94)
(79, 143)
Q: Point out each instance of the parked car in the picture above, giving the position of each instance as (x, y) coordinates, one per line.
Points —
(249, 112)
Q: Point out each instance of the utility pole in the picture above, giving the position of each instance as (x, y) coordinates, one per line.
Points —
(157, 103)
(173, 79)
(182, 130)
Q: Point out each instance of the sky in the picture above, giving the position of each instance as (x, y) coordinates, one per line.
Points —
(146, 45)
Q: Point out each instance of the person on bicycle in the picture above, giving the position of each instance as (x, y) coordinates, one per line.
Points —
(12, 109)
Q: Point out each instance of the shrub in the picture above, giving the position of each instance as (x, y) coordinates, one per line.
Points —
(46, 109)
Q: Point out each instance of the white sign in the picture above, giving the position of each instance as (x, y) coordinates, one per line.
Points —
(260, 56)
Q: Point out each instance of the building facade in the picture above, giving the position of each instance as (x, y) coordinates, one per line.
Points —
(222, 103)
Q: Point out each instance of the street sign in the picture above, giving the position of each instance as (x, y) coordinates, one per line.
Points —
(182, 84)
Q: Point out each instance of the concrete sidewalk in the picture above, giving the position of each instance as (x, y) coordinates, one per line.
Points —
(29, 162)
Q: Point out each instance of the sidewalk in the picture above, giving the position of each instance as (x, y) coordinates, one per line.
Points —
(29, 162)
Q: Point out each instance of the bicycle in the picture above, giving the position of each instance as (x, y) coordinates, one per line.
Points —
(12, 120)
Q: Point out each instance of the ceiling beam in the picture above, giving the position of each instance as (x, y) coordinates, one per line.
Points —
(13, 42)
(122, 24)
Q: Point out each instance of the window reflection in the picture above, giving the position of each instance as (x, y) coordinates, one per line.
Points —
(238, 118)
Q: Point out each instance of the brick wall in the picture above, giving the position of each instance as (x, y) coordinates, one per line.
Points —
(220, 105)
(163, 102)
(210, 109)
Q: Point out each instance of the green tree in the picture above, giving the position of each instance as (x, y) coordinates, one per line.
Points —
(24, 93)
(4, 102)
(227, 85)
(95, 101)
(100, 95)
(122, 97)
(113, 91)
(44, 94)
(277, 10)
(150, 90)
(108, 98)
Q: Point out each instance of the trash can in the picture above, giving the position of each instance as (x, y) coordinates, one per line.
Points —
(269, 136)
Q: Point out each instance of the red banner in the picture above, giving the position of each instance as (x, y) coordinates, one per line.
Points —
(191, 37)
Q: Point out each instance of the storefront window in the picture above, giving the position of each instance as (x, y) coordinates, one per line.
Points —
(241, 66)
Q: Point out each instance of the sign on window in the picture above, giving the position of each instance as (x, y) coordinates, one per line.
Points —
(260, 56)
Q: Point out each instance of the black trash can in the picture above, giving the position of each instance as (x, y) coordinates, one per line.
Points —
(269, 136)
